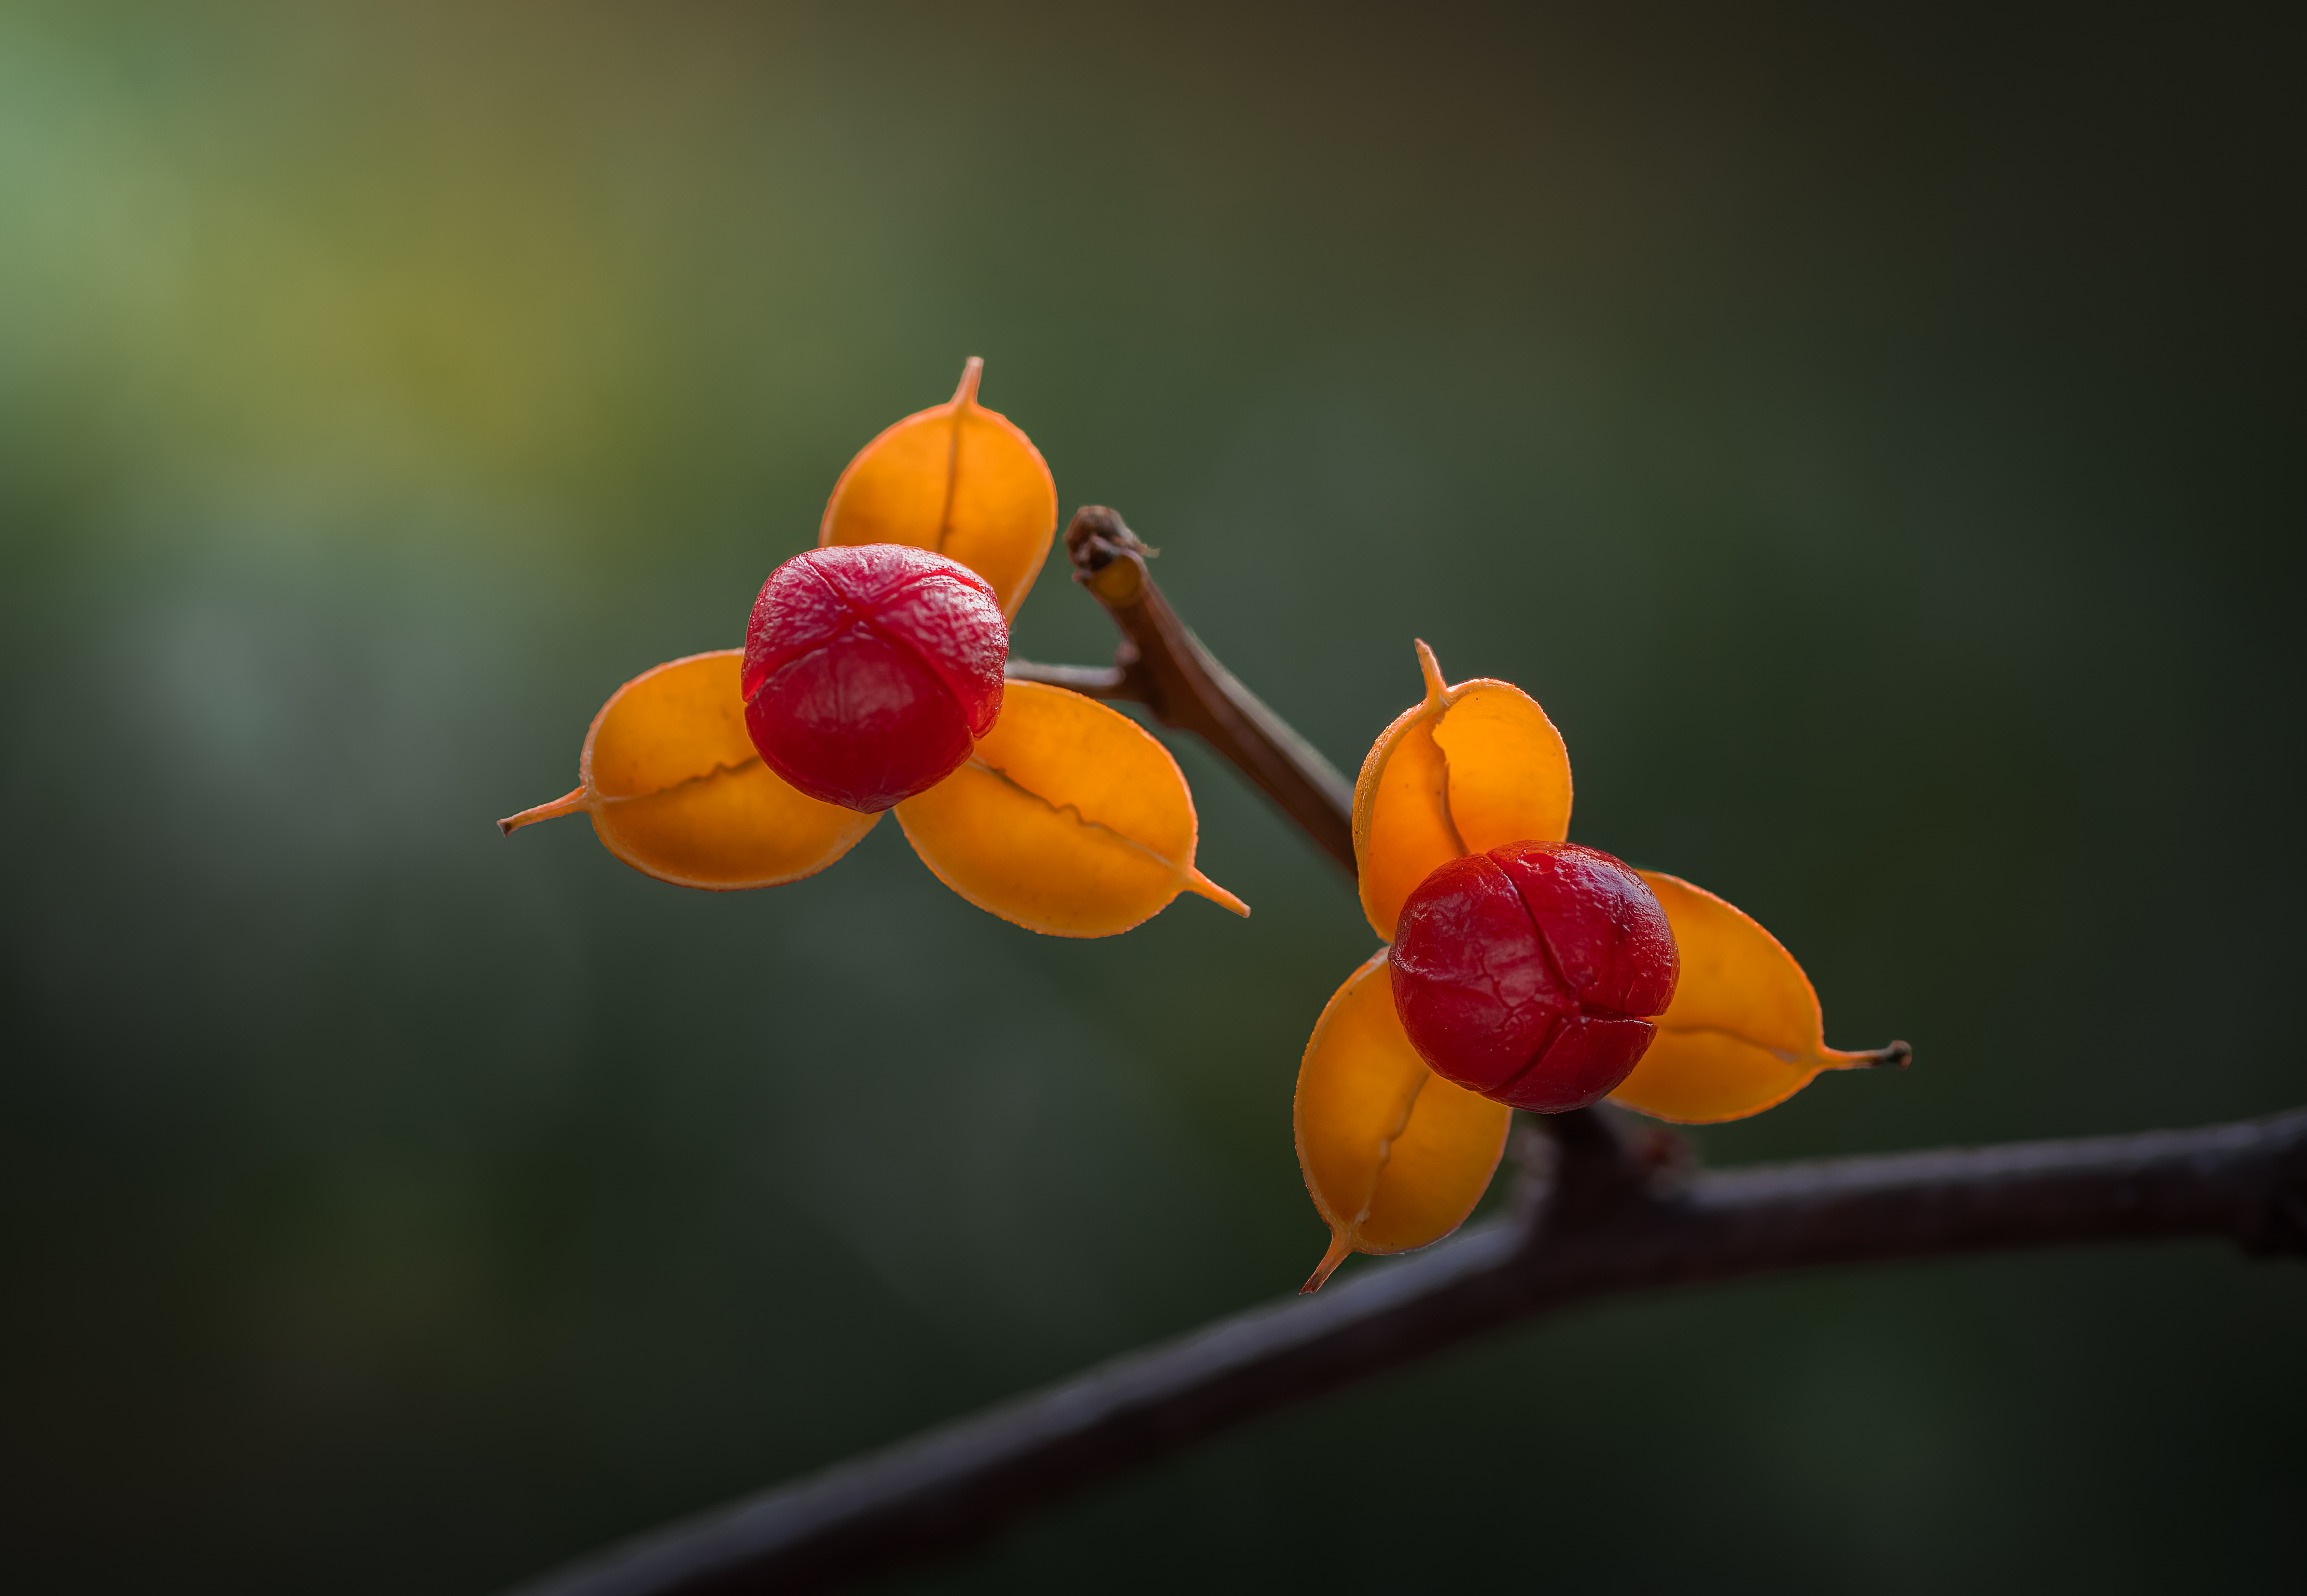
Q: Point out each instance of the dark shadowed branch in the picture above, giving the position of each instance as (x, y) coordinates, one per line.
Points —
(1609, 1216)
(1606, 1206)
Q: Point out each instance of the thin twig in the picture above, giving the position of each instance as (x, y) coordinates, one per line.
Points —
(1161, 665)
(1607, 1205)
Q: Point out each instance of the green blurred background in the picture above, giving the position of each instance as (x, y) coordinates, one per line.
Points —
(1876, 442)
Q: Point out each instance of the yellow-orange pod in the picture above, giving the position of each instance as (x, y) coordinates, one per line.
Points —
(1394, 1156)
(958, 479)
(1470, 768)
(675, 788)
(1067, 818)
(1745, 1031)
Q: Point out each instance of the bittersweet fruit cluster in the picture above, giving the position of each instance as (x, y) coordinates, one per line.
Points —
(1518, 970)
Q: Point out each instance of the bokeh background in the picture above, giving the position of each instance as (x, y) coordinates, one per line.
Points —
(1876, 439)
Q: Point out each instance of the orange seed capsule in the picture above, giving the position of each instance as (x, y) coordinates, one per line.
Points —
(958, 479)
(675, 788)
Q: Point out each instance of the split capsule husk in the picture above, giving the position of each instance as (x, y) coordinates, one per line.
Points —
(958, 479)
(1392, 1161)
(1067, 818)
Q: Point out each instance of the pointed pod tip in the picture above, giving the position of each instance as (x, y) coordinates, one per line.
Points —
(568, 804)
(972, 371)
(1430, 668)
(1199, 883)
(1892, 1055)
(1341, 1250)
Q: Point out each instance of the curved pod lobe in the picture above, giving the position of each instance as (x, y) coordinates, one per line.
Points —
(1394, 1156)
(1067, 818)
(1473, 767)
(675, 789)
(958, 479)
(1745, 1031)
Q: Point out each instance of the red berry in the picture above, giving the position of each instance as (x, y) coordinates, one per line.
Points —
(869, 669)
(1526, 974)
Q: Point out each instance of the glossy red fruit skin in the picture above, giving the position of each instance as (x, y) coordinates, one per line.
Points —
(869, 669)
(1528, 973)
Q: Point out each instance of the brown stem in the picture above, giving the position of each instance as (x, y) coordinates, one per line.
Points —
(1598, 1226)
(1161, 665)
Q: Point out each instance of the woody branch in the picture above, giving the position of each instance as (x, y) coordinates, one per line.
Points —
(1605, 1206)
